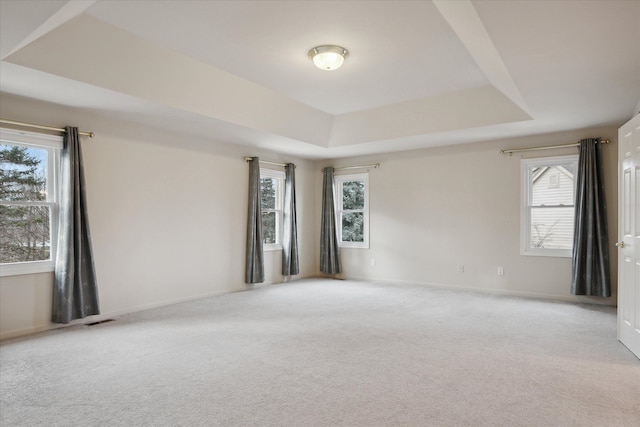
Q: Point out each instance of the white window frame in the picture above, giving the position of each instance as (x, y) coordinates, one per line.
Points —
(52, 144)
(279, 176)
(526, 194)
(339, 180)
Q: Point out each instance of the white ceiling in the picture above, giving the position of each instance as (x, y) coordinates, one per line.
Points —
(419, 73)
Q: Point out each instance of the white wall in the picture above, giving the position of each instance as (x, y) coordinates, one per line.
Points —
(435, 209)
(167, 216)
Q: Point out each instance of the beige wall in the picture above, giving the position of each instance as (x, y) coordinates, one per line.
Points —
(435, 209)
(167, 216)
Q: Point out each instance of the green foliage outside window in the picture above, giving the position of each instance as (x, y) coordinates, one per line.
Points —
(24, 229)
(353, 222)
(268, 200)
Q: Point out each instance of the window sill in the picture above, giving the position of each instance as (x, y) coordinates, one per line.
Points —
(554, 253)
(21, 268)
(271, 248)
(360, 246)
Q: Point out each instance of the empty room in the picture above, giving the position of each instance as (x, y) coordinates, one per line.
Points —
(319, 213)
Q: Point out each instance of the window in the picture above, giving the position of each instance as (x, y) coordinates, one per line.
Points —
(28, 201)
(548, 196)
(353, 210)
(271, 195)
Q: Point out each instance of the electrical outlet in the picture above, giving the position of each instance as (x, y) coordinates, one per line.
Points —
(500, 271)
(461, 268)
(373, 262)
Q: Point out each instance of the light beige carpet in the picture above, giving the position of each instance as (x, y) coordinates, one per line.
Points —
(329, 353)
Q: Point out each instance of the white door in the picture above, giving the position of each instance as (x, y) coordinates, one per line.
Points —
(629, 233)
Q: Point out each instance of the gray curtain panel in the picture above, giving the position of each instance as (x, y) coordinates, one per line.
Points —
(290, 259)
(254, 268)
(590, 272)
(75, 291)
(329, 254)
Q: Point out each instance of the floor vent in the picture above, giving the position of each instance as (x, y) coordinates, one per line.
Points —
(100, 322)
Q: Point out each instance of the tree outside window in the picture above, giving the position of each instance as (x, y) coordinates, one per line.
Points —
(353, 210)
(28, 196)
(24, 223)
(271, 197)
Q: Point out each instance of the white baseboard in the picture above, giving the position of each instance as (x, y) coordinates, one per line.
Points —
(114, 313)
(283, 279)
(104, 316)
(611, 301)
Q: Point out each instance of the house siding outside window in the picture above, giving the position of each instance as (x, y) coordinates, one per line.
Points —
(548, 205)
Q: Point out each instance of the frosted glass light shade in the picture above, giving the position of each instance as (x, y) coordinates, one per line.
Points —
(328, 58)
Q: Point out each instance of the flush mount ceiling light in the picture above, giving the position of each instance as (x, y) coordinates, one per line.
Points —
(328, 57)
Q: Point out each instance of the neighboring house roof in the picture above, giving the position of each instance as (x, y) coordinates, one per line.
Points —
(539, 172)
